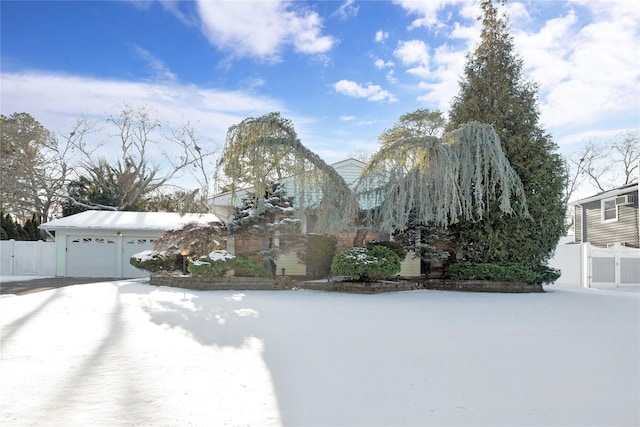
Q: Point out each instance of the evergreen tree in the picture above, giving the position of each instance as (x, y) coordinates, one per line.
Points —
(31, 229)
(265, 220)
(9, 227)
(494, 91)
(84, 195)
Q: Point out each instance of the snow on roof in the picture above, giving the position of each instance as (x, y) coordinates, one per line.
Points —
(118, 220)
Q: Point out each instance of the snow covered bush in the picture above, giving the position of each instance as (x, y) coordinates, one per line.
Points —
(220, 263)
(154, 261)
(394, 246)
(367, 264)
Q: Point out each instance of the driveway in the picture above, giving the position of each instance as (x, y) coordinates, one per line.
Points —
(39, 285)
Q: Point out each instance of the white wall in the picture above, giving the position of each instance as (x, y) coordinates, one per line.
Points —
(567, 260)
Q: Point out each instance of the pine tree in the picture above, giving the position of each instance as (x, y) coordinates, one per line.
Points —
(494, 91)
(10, 228)
(267, 219)
(31, 228)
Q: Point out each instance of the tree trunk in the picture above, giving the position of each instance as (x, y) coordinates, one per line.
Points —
(358, 240)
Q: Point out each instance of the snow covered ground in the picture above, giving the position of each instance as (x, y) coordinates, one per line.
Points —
(127, 353)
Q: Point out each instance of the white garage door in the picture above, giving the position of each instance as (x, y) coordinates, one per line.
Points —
(131, 246)
(91, 256)
(97, 256)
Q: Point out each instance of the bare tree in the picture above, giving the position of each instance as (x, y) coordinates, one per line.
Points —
(140, 140)
(605, 165)
(34, 168)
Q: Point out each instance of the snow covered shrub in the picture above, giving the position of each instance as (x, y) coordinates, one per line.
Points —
(219, 263)
(394, 246)
(154, 261)
(318, 254)
(367, 264)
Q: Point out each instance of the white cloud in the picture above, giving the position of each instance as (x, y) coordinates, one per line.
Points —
(347, 10)
(381, 36)
(381, 64)
(427, 11)
(443, 83)
(414, 53)
(391, 77)
(40, 95)
(587, 73)
(370, 92)
(159, 68)
(347, 118)
(262, 28)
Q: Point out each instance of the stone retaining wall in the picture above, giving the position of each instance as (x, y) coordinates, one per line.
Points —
(220, 283)
(256, 283)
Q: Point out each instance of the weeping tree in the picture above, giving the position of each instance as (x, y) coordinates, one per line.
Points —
(261, 151)
(448, 179)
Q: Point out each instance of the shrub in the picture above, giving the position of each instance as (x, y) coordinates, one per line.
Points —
(507, 272)
(394, 246)
(219, 263)
(547, 275)
(318, 255)
(155, 261)
(245, 267)
(368, 264)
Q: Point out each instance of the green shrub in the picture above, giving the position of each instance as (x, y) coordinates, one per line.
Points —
(245, 267)
(318, 254)
(507, 272)
(368, 264)
(219, 263)
(547, 275)
(155, 261)
(394, 246)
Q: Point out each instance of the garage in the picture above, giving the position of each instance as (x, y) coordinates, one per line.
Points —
(83, 253)
(100, 243)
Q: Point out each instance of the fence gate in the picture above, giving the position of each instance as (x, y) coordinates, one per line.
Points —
(614, 265)
(27, 258)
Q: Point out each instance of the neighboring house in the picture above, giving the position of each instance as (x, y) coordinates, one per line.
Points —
(100, 243)
(608, 217)
(350, 170)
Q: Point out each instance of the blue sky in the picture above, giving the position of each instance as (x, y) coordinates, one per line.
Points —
(342, 71)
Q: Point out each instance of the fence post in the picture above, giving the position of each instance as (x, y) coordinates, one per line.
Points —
(12, 263)
(616, 256)
(586, 264)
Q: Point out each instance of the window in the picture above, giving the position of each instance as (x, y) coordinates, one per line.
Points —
(609, 210)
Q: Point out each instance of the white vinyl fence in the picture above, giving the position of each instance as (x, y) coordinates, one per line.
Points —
(615, 265)
(27, 258)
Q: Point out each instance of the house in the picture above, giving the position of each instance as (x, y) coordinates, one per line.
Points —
(609, 217)
(349, 169)
(100, 243)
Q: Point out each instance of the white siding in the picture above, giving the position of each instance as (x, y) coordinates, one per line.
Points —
(292, 265)
(410, 266)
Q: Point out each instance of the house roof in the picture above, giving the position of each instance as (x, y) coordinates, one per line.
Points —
(118, 220)
(606, 194)
(218, 202)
